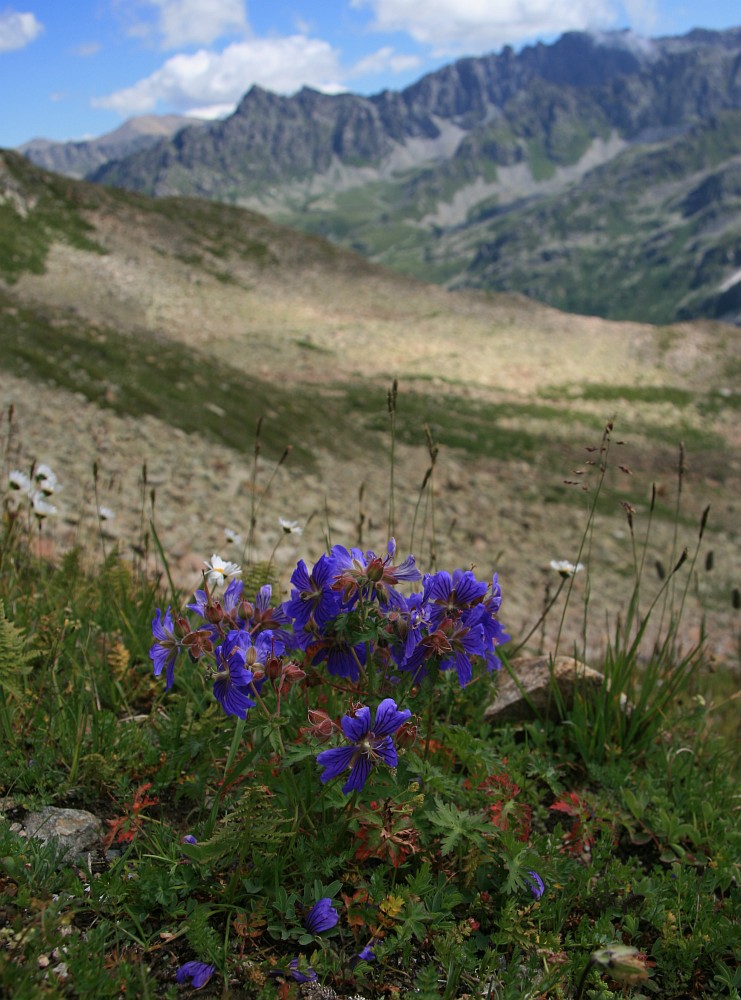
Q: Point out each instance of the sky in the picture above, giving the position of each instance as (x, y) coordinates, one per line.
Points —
(76, 69)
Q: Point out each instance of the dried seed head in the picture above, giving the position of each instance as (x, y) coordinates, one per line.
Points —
(660, 571)
(709, 561)
(736, 598)
(704, 520)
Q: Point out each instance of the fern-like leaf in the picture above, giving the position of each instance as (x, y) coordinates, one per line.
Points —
(15, 658)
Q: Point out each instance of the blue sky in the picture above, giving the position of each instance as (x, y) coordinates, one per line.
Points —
(72, 69)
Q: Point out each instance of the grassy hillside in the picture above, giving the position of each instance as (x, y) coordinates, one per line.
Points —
(163, 331)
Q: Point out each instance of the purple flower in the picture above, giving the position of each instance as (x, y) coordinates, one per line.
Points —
(164, 652)
(369, 746)
(308, 976)
(407, 617)
(264, 616)
(537, 886)
(321, 917)
(494, 633)
(199, 973)
(189, 839)
(233, 680)
(450, 595)
(452, 644)
(313, 596)
(365, 573)
(367, 954)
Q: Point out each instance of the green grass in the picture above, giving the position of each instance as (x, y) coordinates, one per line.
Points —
(133, 375)
(47, 212)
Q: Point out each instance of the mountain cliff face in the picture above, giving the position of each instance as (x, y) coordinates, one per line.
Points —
(512, 171)
(76, 159)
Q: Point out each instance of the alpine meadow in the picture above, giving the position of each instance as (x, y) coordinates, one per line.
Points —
(369, 558)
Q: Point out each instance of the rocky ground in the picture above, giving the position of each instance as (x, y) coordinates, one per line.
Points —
(490, 514)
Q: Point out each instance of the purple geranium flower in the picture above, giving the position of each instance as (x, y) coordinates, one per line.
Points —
(308, 976)
(494, 633)
(365, 573)
(313, 596)
(537, 886)
(264, 616)
(164, 652)
(321, 917)
(452, 644)
(199, 973)
(406, 617)
(450, 595)
(232, 683)
(369, 745)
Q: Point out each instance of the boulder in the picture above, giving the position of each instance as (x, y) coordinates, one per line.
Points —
(75, 830)
(526, 693)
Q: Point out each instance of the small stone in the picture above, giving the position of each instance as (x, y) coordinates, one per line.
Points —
(76, 830)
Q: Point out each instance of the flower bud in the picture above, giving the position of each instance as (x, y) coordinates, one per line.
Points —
(320, 725)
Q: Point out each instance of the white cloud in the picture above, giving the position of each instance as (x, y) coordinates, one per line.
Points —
(192, 22)
(206, 79)
(17, 30)
(452, 26)
(382, 61)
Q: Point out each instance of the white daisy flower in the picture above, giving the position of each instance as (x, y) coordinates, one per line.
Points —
(290, 527)
(232, 537)
(41, 506)
(218, 570)
(45, 479)
(106, 514)
(18, 480)
(566, 568)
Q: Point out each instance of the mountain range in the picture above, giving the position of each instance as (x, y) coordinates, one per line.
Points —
(599, 174)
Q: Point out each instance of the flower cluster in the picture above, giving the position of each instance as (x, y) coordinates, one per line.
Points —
(38, 488)
(345, 615)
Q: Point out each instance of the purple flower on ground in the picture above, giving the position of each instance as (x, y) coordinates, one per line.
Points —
(264, 616)
(367, 954)
(313, 596)
(232, 683)
(199, 973)
(448, 595)
(189, 839)
(321, 917)
(164, 652)
(452, 644)
(365, 573)
(494, 633)
(537, 886)
(369, 745)
(205, 605)
(342, 659)
(406, 617)
(307, 976)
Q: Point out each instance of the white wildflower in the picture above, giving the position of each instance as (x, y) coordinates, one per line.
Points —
(218, 570)
(45, 479)
(232, 537)
(41, 506)
(290, 527)
(106, 514)
(18, 480)
(566, 568)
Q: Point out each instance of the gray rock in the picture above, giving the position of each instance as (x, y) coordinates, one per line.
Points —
(527, 694)
(76, 830)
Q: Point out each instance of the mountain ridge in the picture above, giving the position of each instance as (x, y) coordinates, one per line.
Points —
(430, 179)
